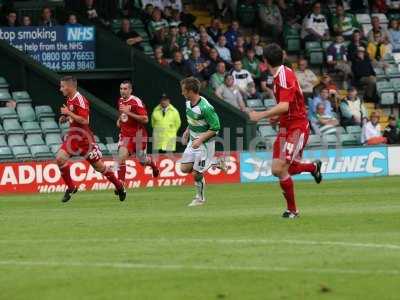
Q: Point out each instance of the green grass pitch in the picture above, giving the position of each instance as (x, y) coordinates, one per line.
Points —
(346, 245)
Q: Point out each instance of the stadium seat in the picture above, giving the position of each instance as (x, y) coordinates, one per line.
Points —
(255, 104)
(387, 98)
(21, 152)
(16, 140)
(269, 103)
(50, 126)
(392, 71)
(96, 139)
(380, 73)
(44, 111)
(293, 44)
(26, 113)
(266, 131)
(2, 130)
(6, 153)
(31, 127)
(353, 129)
(363, 18)
(384, 87)
(326, 44)
(314, 141)
(53, 139)
(4, 96)
(104, 150)
(12, 126)
(116, 25)
(33, 139)
(246, 14)
(8, 113)
(21, 97)
(3, 83)
(3, 142)
(112, 148)
(54, 148)
(348, 139)
(41, 151)
(329, 140)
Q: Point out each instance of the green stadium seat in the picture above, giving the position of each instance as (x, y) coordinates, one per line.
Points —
(6, 153)
(21, 97)
(16, 140)
(392, 71)
(50, 126)
(353, 129)
(41, 151)
(21, 152)
(33, 139)
(314, 141)
(12, 126)
(104, 150)
(5, 96)
(293, 44)
(2, 130)
(329, 139)
(147, 49)
(136, 23)
(269, 103)
(53, 139)
(112, 148)
(326, 44)
(348, 139)
(316, 58)
(96, 139)
(387, 98)
(313, 46)
(256, 104)
(3, 142)
(380, 73)
(396, 84)
(246, 14)
(8, 113)
(43, 111)
(31, 127)
(384, 87)
(266, 131)
(116, 25)
(3, 83)
(54, 148)
(363, 18)
(26, 113)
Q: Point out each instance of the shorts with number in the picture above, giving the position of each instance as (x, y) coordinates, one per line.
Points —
(130, 143)
(85, 148)
(290, 143)
(202, 158)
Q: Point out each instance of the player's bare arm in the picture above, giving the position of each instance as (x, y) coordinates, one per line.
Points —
(185, 137)
(139, 118)
(202, 138)
(81, 120)
(277, 110)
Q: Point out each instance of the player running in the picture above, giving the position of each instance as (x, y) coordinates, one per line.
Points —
(79, 139)
(203, 126)
(293, 130)
(133, 134)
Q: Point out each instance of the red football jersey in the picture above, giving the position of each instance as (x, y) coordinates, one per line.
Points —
(129, 126)
(287, 89)
(79, 105)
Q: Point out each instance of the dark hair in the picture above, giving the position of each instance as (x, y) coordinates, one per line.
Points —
(70, 79)
(127, 82)
(274, 55)
(191, 84)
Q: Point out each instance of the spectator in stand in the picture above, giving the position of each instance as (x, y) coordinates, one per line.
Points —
(252, 92)
(352, 110)
(11, 19)
(392, 132)
(187, 50)
(223, 51)
(217, 78)
(174, 4)
(147, 13)
(270, 18)
(325, 82)
(26, 21)
(376, 27)
(186, 17)
(205, 45)
(130, 36)
(183, 35)
(296, 12)
(159, 56)
(371, 131)
(267, 84)
(356, 42)
(167, 13)
(214, 30)
(171, 44)
(322, 98)
(214, 60)
(306, 77)
(393, 5)
(230, 93)
(72, 20)
(344, 23)
(238, 51)
(315, 25)
(324, 121)
(241, 77)
(203, 30)
(157, 22)
(379, 6)
(197, 65)
(89, 10)
(232, 34)
(252, 64)
(46, 18)
(166, 122)
(175, 18)
(179, 65)
(255, 44)
(337, 58)
(394, 34)
(377, 49)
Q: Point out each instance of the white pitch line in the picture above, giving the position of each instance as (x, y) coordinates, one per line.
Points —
(122, 265)
(217, 240)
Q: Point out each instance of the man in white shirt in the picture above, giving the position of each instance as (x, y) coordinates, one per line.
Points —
(223, 51)
(306, 78)
(241, 77)
(371, 131)
(315, 25)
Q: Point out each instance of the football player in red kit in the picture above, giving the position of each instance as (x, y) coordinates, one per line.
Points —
(133, 134)
(293, 128)
(79, 139)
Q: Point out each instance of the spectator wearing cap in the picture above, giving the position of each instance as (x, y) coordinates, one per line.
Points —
(315, 25)
(344, 23)
(165, 121)
(352, 109)
(376, 27)
(232, 34)
(230, 93)
(252, 64)
(223, 51)
(46, 18)
(270, 18)
(306, 77)
(356, 42)
(179, 65)
(130, 36)
(392, 132)
(371, 131)
(364, 74)
(394, 35)
(214, 30)
(218, 78)
(337, 57)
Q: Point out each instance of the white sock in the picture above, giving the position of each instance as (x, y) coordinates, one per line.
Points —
(200, 187)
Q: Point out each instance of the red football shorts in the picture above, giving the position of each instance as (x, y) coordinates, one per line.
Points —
(134, 144)
(82, 147)
(290, 143)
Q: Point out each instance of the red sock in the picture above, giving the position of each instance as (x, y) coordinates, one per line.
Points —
(109, 174)
(298, 167)
(122, 172)
(65, 174)
(288, 192)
